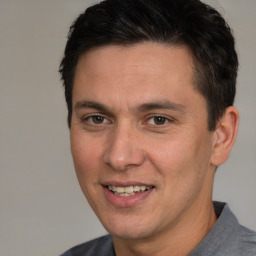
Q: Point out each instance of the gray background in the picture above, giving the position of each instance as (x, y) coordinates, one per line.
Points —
(42, 210)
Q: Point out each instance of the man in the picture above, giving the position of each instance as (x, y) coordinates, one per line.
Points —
(150, 87)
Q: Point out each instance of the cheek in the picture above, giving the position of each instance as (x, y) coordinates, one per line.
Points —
(183, 170)
(86, 156)
(182, 159)
(170, 156)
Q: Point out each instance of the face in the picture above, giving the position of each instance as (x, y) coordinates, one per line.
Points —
(139, 138)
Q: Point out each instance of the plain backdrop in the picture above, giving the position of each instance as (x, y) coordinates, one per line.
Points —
(42, 210)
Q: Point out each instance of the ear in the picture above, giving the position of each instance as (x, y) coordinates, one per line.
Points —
(225, 136)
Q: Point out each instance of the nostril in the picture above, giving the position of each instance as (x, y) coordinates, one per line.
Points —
(122, 150)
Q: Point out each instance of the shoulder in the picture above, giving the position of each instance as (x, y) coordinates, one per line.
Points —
(239, 240)
(247, 241)
(227, 237)
(100, 246)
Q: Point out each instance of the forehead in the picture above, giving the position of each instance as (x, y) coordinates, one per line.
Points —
(141, 72)
(151, 58)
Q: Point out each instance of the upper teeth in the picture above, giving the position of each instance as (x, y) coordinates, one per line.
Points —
(130, 189)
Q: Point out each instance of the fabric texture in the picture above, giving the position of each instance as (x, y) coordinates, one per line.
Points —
(102, 246)
(227, 238)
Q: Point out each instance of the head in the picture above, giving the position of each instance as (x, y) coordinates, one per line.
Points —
(149, 87)
(187, 22)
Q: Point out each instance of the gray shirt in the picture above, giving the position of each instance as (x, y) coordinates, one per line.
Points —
(227, 237)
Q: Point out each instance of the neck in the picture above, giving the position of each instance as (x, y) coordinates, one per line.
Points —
(180, 240)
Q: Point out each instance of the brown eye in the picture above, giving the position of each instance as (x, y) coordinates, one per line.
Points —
(97, 119)
(159, 120)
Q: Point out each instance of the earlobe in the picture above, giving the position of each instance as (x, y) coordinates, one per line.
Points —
(225, 136)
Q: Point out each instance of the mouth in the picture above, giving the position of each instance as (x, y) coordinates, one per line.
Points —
(127, 194)
(128, 190)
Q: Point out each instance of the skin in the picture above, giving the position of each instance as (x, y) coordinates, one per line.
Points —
(117, 139)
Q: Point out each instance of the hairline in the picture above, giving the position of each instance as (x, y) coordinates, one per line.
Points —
(195, 63)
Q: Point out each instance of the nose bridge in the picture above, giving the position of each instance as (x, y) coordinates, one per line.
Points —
(123, 149)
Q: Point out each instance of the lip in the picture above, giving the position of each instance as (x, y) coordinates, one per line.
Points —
(129, 201)
(125, 184)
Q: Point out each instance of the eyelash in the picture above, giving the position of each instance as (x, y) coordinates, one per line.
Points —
(165, 120)
(88, 120)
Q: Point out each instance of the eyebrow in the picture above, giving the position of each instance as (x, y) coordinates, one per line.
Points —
(91, 104)
(164, 104)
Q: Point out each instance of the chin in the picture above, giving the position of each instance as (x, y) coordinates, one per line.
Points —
(130, 234)
(129, 229)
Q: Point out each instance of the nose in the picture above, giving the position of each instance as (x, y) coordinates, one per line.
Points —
(124, 150)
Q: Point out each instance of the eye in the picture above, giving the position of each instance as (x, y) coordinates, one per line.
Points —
(158, 120)
(97, 119)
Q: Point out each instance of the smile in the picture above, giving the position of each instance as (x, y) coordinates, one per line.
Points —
(128, 191)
